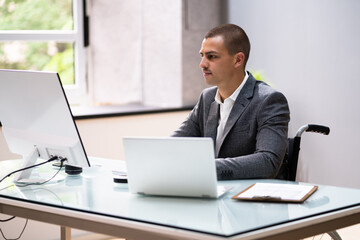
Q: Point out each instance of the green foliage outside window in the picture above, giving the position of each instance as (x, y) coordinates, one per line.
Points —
(35, 55)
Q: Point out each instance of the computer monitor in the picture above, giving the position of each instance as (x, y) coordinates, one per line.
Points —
(36, 119)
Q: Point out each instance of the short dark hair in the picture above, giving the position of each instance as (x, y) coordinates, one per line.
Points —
(235, 39)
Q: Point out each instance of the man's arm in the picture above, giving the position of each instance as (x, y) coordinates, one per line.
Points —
(194, 125)
(190, 127)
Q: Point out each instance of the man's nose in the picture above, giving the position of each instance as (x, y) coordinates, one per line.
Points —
(203, 63)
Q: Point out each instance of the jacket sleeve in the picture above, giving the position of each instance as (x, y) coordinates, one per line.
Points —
(191, 126)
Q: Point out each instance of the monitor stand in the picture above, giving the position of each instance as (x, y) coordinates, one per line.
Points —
(27, 176)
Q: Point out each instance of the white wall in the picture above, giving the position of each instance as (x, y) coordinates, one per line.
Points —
(310, 50)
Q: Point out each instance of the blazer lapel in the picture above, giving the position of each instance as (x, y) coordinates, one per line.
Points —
(212, 121)
(237, 110)
(239, 106)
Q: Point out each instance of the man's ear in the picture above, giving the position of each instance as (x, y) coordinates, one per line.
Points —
(239, 59)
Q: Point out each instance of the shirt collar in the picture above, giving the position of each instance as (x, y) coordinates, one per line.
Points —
(235, 93)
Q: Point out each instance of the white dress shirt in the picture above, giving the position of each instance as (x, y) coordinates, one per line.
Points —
(225, 109)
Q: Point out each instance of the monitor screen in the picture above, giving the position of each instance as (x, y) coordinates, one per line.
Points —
(36, 117)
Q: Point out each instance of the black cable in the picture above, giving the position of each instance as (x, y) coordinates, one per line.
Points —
(32, 166)
(40, 183)
(26, 222)
(6, 220)
(62, 160)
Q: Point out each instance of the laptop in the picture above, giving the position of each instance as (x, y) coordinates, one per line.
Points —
(172, 166)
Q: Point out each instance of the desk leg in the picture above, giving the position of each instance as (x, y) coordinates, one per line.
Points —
(65, 233)
(334, 235)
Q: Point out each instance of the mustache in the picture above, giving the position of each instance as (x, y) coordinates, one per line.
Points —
(206, 70)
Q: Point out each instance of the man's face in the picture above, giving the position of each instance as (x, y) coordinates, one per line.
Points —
(216, 63)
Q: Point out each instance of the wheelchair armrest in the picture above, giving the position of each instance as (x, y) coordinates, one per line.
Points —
(318, 129)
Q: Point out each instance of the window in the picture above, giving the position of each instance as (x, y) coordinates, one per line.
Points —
(147, 51)
(141, 52)
(45, 35)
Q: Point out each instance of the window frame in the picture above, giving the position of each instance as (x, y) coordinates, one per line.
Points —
(76, 93)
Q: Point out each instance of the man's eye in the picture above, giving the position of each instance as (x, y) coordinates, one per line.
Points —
(211, 56)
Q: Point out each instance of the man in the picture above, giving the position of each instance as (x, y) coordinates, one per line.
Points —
(246, 118)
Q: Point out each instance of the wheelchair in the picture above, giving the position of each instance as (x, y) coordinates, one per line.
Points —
(290, 163)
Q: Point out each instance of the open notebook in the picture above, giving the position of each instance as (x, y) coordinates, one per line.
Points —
(172, 166)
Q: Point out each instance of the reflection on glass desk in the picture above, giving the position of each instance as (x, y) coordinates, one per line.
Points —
(95, 197)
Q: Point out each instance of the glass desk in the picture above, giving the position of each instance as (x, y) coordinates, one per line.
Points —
(93, 202)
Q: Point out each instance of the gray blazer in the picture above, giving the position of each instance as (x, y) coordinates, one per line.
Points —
(255, 135)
